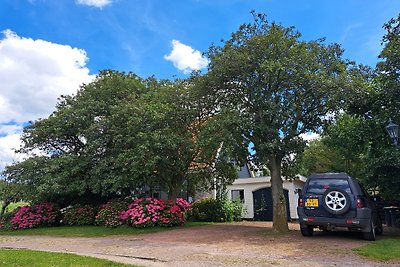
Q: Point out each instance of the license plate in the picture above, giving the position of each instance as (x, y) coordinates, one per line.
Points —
(312, 202)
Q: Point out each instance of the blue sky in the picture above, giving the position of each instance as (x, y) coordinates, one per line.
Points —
(49, 47)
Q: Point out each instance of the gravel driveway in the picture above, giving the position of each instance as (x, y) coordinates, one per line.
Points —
(234, 244)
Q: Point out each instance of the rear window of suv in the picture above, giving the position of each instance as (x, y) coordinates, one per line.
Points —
(318, 186)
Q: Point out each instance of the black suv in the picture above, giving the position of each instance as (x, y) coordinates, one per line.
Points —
(336, 200)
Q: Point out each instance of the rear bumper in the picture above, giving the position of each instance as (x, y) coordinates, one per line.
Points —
(361, 222)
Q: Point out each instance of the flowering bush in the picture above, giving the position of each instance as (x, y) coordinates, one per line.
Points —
(109, 214)
(34, 216)
(151, 212)
(79, 215)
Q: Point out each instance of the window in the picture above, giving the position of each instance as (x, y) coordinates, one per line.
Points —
(237, 194)
(318, 186)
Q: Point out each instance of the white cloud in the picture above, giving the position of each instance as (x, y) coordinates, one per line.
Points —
(95, 3)
(186, 58)
(7, 145)
(310, 136)
(33, 74)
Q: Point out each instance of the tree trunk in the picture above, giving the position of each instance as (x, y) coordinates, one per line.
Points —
(280, 222)
(174, 191)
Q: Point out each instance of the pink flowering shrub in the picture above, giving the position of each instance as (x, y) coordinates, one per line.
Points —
(79, 215)
(109, 213)
(151, 212)
(43, 214)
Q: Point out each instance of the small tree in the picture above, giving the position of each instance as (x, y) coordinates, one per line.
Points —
(10, 191)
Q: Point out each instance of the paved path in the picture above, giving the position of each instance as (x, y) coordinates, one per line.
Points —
(237, 244)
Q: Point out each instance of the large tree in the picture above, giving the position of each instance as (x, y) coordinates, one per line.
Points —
(119, 135)
(65, 147)
(359, 135)
(281, 87)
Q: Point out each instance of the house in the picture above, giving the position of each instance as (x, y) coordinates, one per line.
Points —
(254, 190)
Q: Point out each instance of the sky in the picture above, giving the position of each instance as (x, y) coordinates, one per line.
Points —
(49, 48)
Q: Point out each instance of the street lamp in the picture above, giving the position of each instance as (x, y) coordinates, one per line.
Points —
(393, 131)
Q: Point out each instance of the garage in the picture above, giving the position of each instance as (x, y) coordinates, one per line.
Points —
(262, 201)
(255, 193)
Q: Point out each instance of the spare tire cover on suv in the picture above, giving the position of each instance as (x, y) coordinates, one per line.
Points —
(336, 201)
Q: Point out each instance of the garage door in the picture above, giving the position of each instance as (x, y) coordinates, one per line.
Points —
(262, 199)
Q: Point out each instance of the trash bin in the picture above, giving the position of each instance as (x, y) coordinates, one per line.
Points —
(395, 217)
(389, 217)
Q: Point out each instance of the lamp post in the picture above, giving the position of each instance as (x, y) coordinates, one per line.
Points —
(393, 131)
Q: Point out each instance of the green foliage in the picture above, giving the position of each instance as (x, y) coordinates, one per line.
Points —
(109, 213)
(21, 258)
(208, 210)
(5, 221)
(233, 210)
(212, 210)
(318, 157)
(79, 215)
(117, 135)
(279, 87)
(10, 191)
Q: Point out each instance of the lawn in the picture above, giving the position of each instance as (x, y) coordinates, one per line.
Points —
(22, 258)
(92, 231)
(382, 250)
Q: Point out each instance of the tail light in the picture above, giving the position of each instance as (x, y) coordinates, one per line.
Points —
(359, 203)
(300, 202)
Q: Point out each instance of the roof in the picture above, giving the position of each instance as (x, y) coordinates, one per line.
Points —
(329, 175)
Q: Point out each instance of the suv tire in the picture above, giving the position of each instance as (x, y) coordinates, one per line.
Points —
(307, 231)
(336, 201)
(370, 235)
(379, 228)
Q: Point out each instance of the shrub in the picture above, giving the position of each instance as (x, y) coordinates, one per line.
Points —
(208, 210)
(5, 221)
(151, 212)
(43, 214)
(109, 213)
(212, 210)
(233, 210)
(79, 215)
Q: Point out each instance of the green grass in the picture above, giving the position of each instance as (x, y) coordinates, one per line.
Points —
(21, 258)
(83, 231)
(382, 250)
(92, 231)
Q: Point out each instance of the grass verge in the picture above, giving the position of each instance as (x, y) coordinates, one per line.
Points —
(92, 231)
(22, 258)
(382, 250)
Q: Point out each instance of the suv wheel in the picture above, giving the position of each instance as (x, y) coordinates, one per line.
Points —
(307, 231)
(336, 201)
(379, 228)
(370, 235)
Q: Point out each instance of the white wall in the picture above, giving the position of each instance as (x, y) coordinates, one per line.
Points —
(249, 185)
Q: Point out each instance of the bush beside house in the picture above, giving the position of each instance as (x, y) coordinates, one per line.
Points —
(141, 213)
(212, 210)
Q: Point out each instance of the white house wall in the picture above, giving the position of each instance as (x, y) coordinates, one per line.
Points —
(249, 185)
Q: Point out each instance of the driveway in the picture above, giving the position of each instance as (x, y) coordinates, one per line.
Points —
(233, 244)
